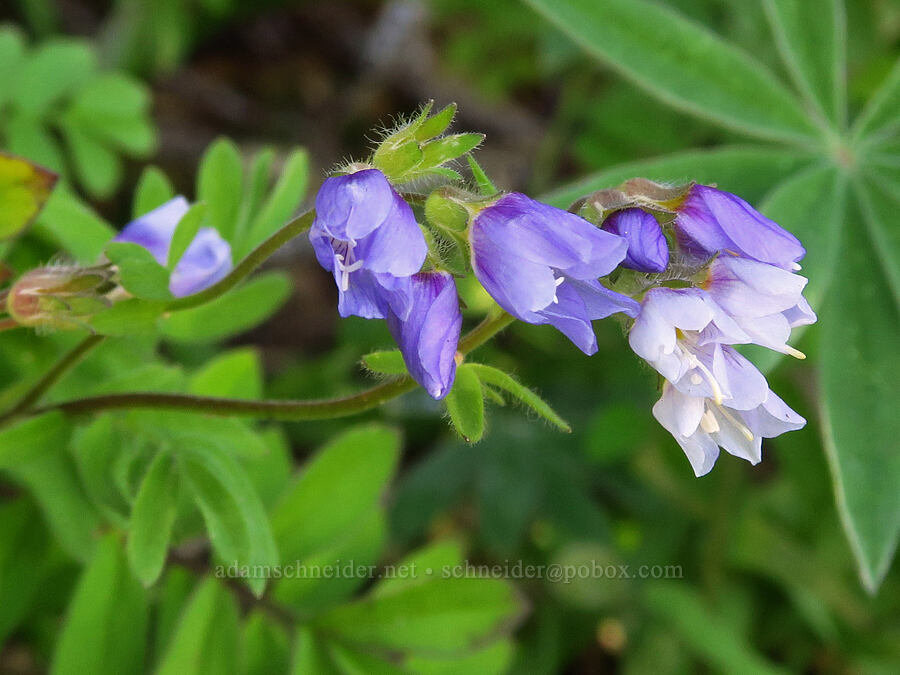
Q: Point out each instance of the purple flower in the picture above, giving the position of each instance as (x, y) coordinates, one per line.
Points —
(764, 300)
(206, 260)
(541, 265)
(429, 335)
(712, 221)
(648, 250)
(367, 236)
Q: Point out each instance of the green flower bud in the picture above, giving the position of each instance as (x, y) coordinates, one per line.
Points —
(60, 297)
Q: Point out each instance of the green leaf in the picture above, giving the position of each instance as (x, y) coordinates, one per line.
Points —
(152, 517)
(465, 403)
(24, 189)
(879, 209)
(388, 362)
(683, 64)
(423, 565)
(234, 374)
(746, 170)
(811, 205)
(24, 441)
(234, 515)
(448, 148)
(139, 273)
(184, 234)
(860, 328)
(329, 575)
(206, 639)
(232, 313)
(355, 662)
(266, 647)
(106, 624)
(879, 119)
(153, 189)
(485, 186)
(445, 615)
(113, 108)
(74, 226)
(128, 317)
(310, 655)
(219, 184)
(24, 559)
(256, 187)
(497, 378)
(34, 453)
(50, 72)
(12, 51)
(436, 124)
(704, 633)
(810, 37)
(495, 659)
(96, 447)
(227, 436)
(28, 137)
(341, 484)
(286, 196)
(98, 168)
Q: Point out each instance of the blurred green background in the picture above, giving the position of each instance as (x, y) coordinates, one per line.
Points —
(768, 581)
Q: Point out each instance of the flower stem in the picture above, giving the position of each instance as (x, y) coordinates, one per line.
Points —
(270, 409)
(51, 377)
(243, 269)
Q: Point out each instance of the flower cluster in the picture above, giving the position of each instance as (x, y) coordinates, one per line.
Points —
(733, 272)
(691, 270)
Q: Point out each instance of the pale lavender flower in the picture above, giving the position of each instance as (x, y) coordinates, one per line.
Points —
(712, 221)
(205, 261)
(701, 425)
(713, 396)
(648, 250)
(541, 265)
(764, 300)
(368, 237)
(429, 335)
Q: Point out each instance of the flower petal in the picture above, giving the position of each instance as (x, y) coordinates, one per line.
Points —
(648, 250)
(542, 234)
(429, 337)
(519, 286)
(154, 230)
(352, 206)
(397, 246)
(206, 261)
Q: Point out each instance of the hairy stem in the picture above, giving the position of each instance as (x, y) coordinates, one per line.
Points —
(281, 410)
(248, 265)
(51, 377)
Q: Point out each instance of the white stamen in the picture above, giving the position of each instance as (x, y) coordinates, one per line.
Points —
(796, 267)
(696, 379)
(694, 362)
(796, 353)
(342, 262)
(740, 427)
(708, 422)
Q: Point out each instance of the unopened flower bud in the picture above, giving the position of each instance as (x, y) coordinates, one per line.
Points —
(60, 297)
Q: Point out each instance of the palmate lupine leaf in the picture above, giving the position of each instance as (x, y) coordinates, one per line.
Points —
(683, 64)
(811, 37)
(860, 331)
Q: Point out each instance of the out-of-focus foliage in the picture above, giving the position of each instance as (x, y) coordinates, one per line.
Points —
(56, 89)
(123, 535)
